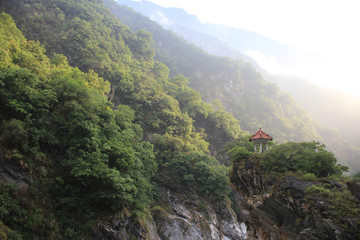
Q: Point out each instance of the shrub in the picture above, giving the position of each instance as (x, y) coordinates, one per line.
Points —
(307, 157)
(309, 177)
(239, 153)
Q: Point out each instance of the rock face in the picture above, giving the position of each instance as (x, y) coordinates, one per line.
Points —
(11, 172)
(120, 228)
(195, 219)
(354, 189)
(278, 209)
(180, 216)
(262, 208)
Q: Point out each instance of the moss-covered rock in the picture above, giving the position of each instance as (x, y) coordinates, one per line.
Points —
(287, 207)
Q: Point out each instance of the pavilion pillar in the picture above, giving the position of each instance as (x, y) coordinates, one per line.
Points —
(260, 146)
(267, 146)
(254, 146)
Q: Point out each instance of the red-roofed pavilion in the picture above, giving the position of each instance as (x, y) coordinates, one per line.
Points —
(259, 138)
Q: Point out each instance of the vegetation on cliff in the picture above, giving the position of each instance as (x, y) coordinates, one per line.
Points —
(87, 155)
(299, 186)
(93, 124)
(57, 123)
(291, 157)
(241, 89)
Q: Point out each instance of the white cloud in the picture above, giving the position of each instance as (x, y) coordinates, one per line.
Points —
(267, 62)
(161, 18)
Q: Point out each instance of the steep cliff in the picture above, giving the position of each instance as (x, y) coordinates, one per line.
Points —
(262, 206)
(287, 207)
(180, 216)
(128, 158)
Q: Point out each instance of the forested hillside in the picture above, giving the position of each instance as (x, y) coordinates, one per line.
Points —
(69, 141)
(92, 39)
(87, 152)
(235, 83)
(216, 39)
(240, 87)
(100, 140)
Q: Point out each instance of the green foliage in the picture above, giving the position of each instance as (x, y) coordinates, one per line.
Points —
(236, 83)
(23, 214)
(142, 45)
(307, 157)
(356, 175)
(101, 147)
(184, 164)
(241, 141)
(91, 38)
(239, 154)
(57, 117)
(341, 204)
(61, 118)
(195, 170)
(317, 190)
(309, 177)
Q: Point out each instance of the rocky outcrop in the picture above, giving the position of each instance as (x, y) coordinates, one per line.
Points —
(262, 208)
(280, 208)
(12, 172)
(187, 216)
(179, 216)
(354, 189)
(123, 228)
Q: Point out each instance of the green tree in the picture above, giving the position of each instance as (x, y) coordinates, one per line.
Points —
(56, 122)
(239, 154)
(356, 175)
(307, 157)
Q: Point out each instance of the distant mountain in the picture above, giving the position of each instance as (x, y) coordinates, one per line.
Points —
(330, 107)
(240, 87)
(97, 141)
(310, 97)
(190, 28)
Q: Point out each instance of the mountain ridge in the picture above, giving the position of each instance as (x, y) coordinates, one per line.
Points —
(346, 155)
(122, 150)
(239, 39)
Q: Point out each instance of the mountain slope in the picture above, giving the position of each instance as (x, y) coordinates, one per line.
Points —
(332, 108)
(181, 22)
(190, 28)
(61, 145)
(337, 114)
(75, 165)
(235, 83)
(85, 156)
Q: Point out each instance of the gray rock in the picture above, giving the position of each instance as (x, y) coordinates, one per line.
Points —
(295, 186)
(354, 189)
(12, 172)
(187, 222)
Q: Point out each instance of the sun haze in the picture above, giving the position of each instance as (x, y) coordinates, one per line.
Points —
(326, 30)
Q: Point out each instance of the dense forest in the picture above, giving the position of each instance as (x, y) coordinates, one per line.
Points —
(235, 83)
(58, 122)
(97, 118)
(242, 89)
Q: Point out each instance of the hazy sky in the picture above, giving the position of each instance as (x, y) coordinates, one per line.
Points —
(330, 28)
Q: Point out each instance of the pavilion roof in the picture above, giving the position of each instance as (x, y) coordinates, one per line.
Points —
(260, 135)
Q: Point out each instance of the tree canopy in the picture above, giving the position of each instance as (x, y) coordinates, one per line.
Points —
(306, 157)
(90, 153)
